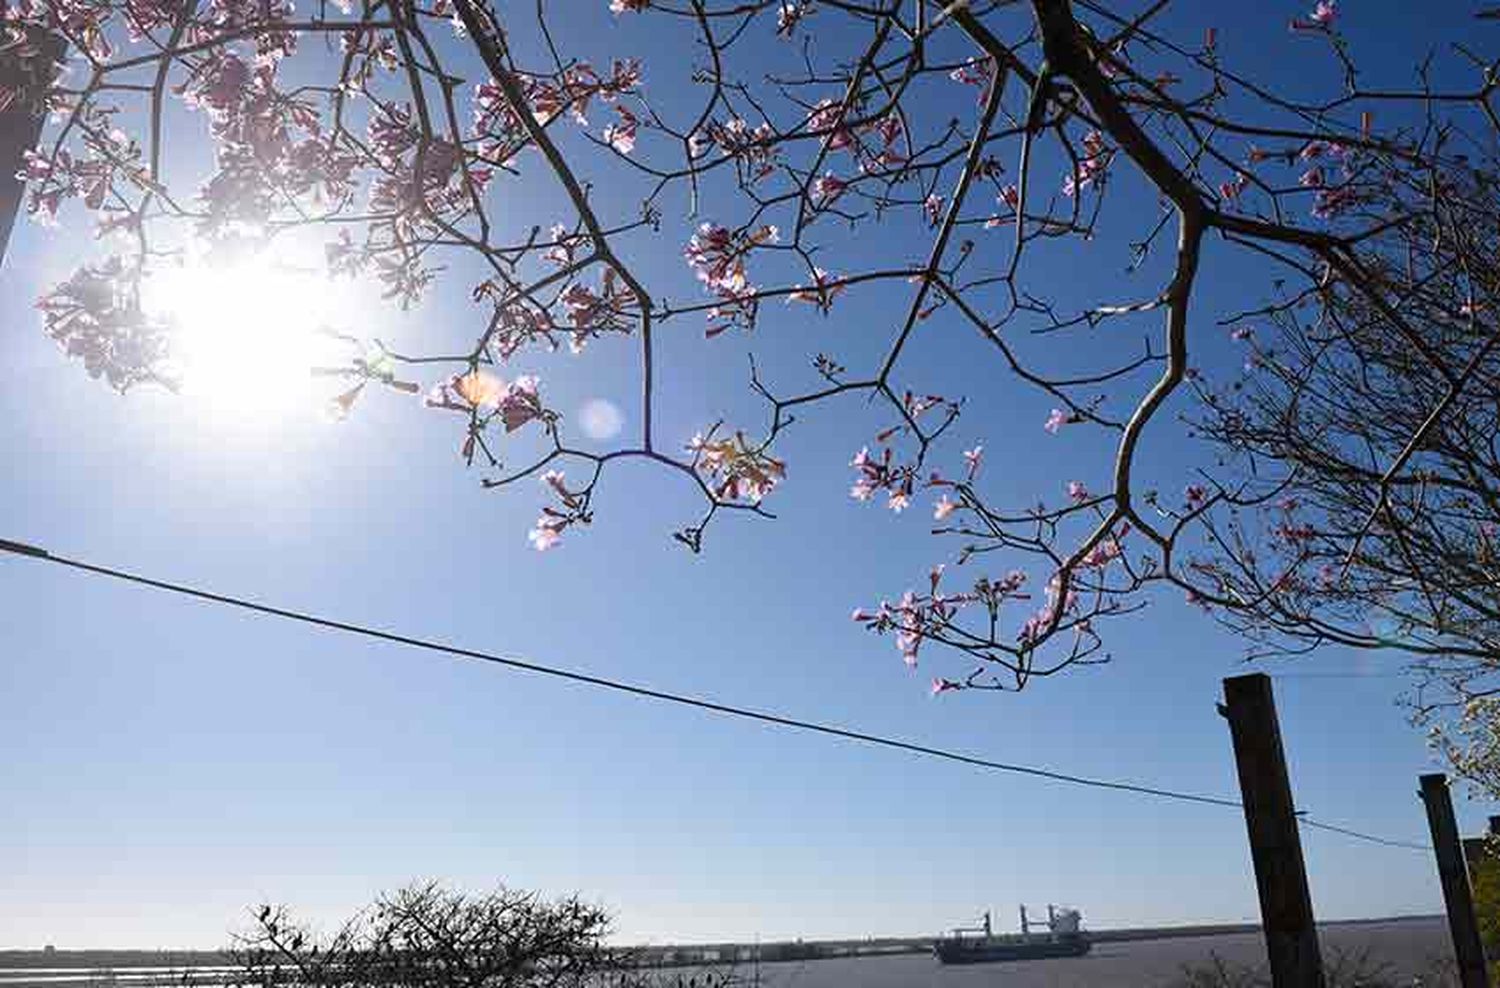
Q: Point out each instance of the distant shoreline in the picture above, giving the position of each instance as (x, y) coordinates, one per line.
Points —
(18, 960)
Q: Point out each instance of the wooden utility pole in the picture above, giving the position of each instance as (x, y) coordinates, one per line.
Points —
(1454, 874)
(21, 120)
(1275, 845)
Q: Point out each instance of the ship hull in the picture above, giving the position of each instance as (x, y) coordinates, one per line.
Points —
(989, 951)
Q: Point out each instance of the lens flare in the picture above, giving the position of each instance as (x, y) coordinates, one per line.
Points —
(601, 419)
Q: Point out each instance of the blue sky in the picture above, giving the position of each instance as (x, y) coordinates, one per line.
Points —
(170, 764)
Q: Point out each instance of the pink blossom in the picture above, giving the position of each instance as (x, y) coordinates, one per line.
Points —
(37, 167)
(563, 246)
(521, 403)
(828, 187)
(552, 522)
(739, 471)
(717, 257)
(1241, 334)
(1101, 555)
(1195, 496)
(1077, 492)
(628, 6)
(1091, 167)
(790, 14)
(1056, 420)
(973, 458)
(882, 473)
(546, 534)
(824, 289)
(974, 72)
(827, 118)
(1010, 198)
(941, 685)
(621, 136)
(944, 507)
(1321, 17)
(480, 389)
(753, 146)
(933, 207)
(624, 76)
(1329, 203)
(918, 405)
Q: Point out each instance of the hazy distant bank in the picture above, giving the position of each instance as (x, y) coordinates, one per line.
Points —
(20, 967)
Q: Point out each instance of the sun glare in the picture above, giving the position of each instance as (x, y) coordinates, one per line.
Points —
(247, 336)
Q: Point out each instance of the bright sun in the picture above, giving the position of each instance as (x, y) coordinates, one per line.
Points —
(247, 336)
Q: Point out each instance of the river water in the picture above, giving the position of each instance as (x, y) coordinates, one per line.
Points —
(1410, 948)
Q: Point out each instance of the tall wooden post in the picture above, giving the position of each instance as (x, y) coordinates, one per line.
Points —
(21, 120)
(1454, 874)
(1275, 845)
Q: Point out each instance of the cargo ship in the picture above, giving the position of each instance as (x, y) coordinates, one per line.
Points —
(979, 944)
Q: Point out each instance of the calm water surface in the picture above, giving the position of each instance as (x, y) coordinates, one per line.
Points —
(1410, 948)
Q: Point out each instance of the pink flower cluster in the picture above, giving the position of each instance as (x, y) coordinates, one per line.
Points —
(915, 618)
(271, 147)
(621, 136)
(554, 521)
(875, 145)
(717, 257)
(1322, 160)
(975, 72)
(484, 395)
(883, 473)
(752, 148)
(790, 14)
(591, 312)
(518, 321)
(92, 317)
(1091, 168)
(736, 470)
(826, 188)
(1321, 17)
(570, 92)
(823, 290)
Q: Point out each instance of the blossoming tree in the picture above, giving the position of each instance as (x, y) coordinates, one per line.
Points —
(928, 151)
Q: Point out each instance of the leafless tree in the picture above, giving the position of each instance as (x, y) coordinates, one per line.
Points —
(427, 936)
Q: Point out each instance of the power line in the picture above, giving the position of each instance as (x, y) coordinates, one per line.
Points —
(712, 706)
(1307, 821)
(1293, 676)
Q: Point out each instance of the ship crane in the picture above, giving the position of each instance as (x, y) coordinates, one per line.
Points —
(1064, 938)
